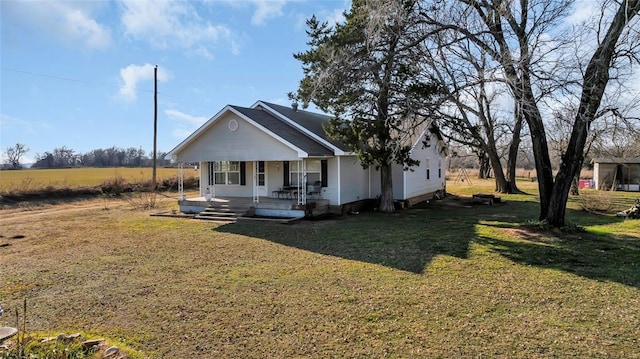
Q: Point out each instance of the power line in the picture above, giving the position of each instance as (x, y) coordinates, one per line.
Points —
(62, 78)
(52, 76)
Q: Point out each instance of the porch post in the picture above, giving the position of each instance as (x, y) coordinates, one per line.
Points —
(210, 189)
(256, 195)
(302, 182)
(181, 194)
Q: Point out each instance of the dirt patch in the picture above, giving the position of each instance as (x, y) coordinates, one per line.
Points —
(526, 234)
(34, 210)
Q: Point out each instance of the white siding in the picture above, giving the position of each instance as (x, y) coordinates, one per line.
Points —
(416, 181)
(354, 180)
(331, 191)
(274, 176)
(398, 181)
(246, 143)
(412, 183)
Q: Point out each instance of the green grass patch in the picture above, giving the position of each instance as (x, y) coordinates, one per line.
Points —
(448, 279)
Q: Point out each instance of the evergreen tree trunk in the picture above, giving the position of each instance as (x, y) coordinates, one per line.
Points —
(386, 182)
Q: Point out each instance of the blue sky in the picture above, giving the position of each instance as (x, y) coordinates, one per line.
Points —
(80, 73)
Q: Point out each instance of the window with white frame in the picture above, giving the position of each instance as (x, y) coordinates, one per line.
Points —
(261, 173)
(224, 172)
(313, 172)
(426, 165)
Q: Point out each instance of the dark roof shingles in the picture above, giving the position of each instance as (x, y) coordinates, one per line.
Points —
(285, 131)
(309, 120)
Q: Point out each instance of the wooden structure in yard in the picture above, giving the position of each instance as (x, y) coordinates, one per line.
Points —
(616, 174)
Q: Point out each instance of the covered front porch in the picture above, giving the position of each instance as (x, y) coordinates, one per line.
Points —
(296, 182)
(246, 207)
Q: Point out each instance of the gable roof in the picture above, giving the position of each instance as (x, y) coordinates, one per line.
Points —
(285, 131)
(298, 129)
(617, 160)
(307, 120)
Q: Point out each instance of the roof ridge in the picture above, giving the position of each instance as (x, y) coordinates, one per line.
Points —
(308, 122)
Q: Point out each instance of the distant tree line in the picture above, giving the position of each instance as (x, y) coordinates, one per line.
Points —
(64, 157)
(110, 157)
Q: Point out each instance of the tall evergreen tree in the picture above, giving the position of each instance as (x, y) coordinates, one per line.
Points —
(368, 73)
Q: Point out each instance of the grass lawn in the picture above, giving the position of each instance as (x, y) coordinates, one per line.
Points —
(443, 280)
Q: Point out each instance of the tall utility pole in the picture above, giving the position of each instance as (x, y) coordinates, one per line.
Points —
(155, 125)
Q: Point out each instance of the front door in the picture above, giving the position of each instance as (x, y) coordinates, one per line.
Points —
(261, 179)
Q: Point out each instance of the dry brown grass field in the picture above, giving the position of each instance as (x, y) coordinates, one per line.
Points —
(446, 279)
(35, 179)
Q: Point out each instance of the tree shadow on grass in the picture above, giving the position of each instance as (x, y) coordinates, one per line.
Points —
(595, 256)
(407, 240)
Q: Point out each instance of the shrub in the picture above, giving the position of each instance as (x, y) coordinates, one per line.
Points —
(596, 201)
(142, 199)
(114, 186)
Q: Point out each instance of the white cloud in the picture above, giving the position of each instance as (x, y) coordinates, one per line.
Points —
(134, 74)
(70, 21)
(18, 125)
(334, 17)
(181, 133)
(280, 101)
(266, 9)
(263, 11)
(188, 123)
(300, 22)
(80, 25)
(204, 52)
(168, 24)
(331, 17)
(193, 121)
(582, 11)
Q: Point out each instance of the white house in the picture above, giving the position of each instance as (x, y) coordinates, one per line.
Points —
(271, 151)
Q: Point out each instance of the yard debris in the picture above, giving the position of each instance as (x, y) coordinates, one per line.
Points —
(113, 352)
(97, 347)
(482, 198)
(7, 332)
(632, 213)
(93, 344)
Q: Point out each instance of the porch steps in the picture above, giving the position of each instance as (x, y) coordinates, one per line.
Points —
(221, 213)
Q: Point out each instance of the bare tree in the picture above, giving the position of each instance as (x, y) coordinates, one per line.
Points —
(470, 113)
(14, 155)
(596, 78)
(618, 135)
(526, 40)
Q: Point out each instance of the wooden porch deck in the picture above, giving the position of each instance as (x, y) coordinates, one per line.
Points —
(284, 207)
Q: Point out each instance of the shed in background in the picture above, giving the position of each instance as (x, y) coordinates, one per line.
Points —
(617, 174)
